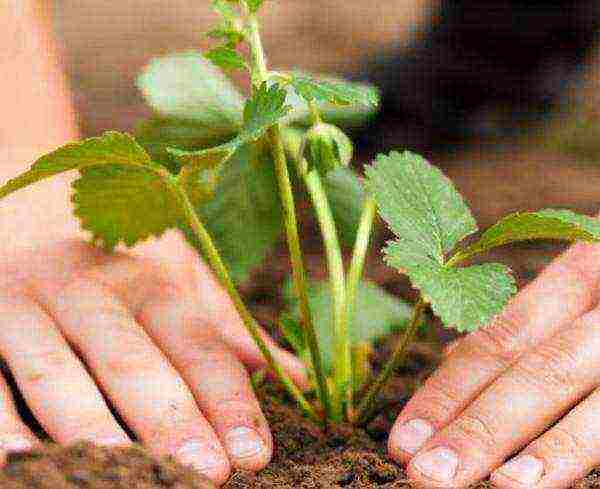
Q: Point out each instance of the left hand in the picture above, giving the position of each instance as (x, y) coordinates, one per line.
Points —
(503, 386)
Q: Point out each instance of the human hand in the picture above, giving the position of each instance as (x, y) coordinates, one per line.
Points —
(153, 332)
(504, 385)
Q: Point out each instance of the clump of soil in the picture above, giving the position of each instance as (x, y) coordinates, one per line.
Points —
(86, 466)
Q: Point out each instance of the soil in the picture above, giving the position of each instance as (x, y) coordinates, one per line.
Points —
(86, 466)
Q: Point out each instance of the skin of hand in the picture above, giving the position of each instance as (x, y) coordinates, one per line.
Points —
(149, 332)
(519, 399)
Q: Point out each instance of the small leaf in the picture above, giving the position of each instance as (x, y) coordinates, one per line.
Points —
(464, 298)
(261, 112)
(226, 32)
(255, 5)
(332, 91)
(244, 216)
(419, 203)
(548, 224)
(265, 109)
(187, 86)
(345, 116)
(226, 58)
(378, 313)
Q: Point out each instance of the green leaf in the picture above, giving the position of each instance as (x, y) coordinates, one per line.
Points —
(345, 116)
(124, 204)
(226, 58)
(419, 203)
(261, 112)
(346, 198)
(255, 5)
(122, 195)
(548, 224)
(244, 217)
(378, 313)
(187, 86)
(464, 298)
(112, 148)
(334, 91)
(158, 134)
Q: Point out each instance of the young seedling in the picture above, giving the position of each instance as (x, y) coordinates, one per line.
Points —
(227, 171)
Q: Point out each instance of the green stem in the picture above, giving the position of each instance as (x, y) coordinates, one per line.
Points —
(215, 261)
(361, 246)
(298, 270)
(335, 262)
(367, 405)
(260, 73)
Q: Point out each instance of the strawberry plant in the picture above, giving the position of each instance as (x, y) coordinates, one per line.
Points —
(228, 171)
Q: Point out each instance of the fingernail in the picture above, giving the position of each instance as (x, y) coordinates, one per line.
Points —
(439, 464)
(197, 454)
(411, 436)
(244, 442)
(526, 470)
(15, 444)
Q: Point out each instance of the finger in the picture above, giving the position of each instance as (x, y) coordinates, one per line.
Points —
(558, 458)
(521, 404)
(217, 378)
(137, 280)
(15, 436)
(564, 291)
(145, 388)
(216, 308)
(50, 376)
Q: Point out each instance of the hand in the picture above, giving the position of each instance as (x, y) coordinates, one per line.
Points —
(502, 387)
(155, 334)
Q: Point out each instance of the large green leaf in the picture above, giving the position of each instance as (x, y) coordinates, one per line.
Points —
(419, 203)
(548, 224)
(188, 86)
(464, 298)
(121, 196)
(378, 313)
(244, 217)
(430, 218)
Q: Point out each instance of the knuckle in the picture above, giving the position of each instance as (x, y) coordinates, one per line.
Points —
(551, 368)
(563, 444)
(476, 428)
(139, 359)
(440, 397)
(501, 340)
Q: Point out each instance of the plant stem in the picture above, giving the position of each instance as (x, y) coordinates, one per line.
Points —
(357, 264)
(298, 271)
(367, 405)
(335, 263)
(260, 73)
(361, 246)
(215, 261)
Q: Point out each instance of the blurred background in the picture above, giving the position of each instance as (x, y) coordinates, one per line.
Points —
(502, 94)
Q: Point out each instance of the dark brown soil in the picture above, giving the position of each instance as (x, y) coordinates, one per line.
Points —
(85, 466)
